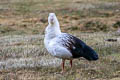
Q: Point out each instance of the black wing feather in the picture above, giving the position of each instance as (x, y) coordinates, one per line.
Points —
(79, 49)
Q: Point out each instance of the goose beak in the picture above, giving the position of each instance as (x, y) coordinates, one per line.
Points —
(52, 20)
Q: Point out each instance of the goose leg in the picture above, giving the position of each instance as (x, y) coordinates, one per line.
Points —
(63, 63)
(71, 63)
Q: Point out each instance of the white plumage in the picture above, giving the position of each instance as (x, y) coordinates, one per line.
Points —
(63, 45)
(54, 39)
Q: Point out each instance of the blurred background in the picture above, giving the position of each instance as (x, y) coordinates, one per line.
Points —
(22, 25)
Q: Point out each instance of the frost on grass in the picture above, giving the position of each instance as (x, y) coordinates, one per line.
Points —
(18, 40)
(28, 51)
(30, 63)
(24, 52)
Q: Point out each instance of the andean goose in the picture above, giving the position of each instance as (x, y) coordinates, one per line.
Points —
(63, 45)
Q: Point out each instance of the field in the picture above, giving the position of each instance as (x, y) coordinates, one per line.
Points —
(22, 52)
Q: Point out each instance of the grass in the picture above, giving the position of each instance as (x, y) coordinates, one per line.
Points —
(117, 24)
(29, 17)
(22, 25)
(96, 26)
(24, 56)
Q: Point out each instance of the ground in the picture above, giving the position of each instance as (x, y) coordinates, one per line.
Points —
(22, 52)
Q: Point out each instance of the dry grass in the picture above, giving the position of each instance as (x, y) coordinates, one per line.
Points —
(29, 16)
(24, 57)
(22, 53)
